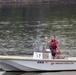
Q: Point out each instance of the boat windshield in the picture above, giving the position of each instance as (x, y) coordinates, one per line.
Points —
(38, 45)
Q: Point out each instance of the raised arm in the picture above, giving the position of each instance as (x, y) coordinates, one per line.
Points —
(46, 39)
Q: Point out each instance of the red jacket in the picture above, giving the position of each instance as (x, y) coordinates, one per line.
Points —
(53, 45)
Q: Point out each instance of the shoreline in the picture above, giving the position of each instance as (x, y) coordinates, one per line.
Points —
(37, 2)
(33, 3)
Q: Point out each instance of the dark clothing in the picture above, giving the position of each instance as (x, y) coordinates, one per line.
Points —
(53, 46)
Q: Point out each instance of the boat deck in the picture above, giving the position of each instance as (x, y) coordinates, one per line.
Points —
(31, 58)
(15, 57)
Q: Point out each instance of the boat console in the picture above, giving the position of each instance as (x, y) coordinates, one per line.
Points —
(42, 55)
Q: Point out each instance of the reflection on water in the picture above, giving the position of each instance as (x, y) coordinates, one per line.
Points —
(19, 27)
(46, 73)
(11, 73)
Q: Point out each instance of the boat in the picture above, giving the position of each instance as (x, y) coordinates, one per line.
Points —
(39, 61)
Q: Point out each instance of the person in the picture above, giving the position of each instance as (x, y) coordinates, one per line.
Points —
(53, 45)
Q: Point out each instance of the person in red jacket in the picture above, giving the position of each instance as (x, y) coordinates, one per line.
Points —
(53, 45)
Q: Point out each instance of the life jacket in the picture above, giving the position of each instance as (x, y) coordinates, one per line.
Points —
(53, 44)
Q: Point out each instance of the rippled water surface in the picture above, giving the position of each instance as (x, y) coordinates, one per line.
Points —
(19, 27)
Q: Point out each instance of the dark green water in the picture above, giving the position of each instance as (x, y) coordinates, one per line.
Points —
(19, 29)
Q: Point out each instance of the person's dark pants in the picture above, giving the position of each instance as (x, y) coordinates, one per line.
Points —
(53, 52)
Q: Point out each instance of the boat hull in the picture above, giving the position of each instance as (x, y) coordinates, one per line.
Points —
(37, 65)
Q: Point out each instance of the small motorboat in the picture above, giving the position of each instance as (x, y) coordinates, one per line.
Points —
(40, 61)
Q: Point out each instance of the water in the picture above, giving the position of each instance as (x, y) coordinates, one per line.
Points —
(19, 28)
(32, 73)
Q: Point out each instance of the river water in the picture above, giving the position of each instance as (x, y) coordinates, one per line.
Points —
(20, 25)
(32, 73)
